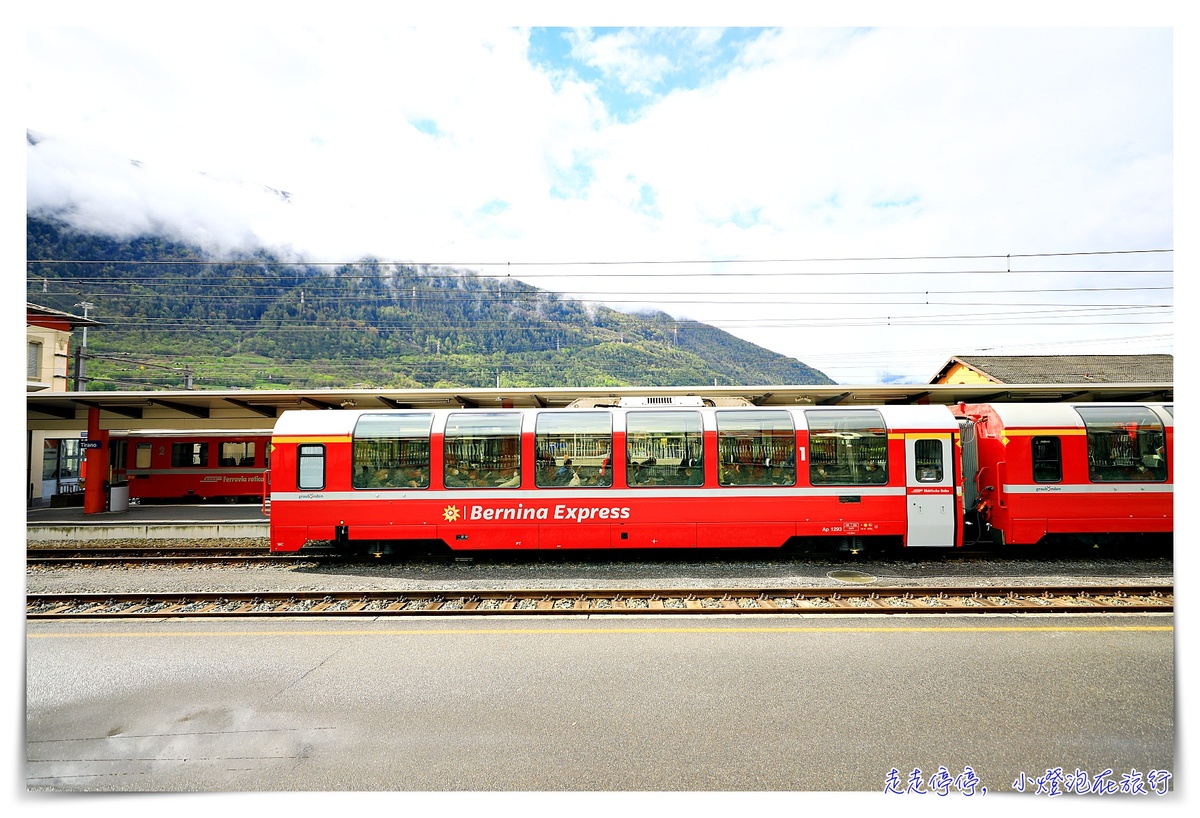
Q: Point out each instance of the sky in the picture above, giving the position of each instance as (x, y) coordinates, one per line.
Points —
(868, 199)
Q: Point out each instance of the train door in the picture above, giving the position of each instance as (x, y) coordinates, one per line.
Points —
(929, 486)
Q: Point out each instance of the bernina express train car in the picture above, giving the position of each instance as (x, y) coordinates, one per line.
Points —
(175, 465)
(645, 473)
(1090, 473)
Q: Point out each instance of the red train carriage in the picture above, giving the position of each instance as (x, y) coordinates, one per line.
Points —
(1087, 473)
(678, 474)
(174, 465)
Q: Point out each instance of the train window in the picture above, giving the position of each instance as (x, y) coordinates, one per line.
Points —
(310, 466)
(664, 448)
(927, 460)
(1125, 444)
(391, 451)
(1047, 459)
(756, 449)
(237, 453)
(847, 447)
(189, 454)
(574, 449)
(483, 450)
(141, 456)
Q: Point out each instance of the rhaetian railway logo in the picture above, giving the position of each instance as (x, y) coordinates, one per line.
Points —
(577, 514)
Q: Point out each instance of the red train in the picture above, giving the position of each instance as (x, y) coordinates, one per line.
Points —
(683, 473)
(175, 465)
(1072, 472)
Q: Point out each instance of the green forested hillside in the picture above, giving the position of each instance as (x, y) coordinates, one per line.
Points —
(169, 313)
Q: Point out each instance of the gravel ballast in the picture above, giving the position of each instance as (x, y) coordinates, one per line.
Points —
(558, 571)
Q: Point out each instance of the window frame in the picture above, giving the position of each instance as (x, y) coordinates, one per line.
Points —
(303, 457)
(376, 458)
(1125, 444)
(742, 439)
(71, 456)
(579, 461)
(33, 361)
(1036, 461)
(199, 452)
(687, 470)
(926, 457)
(863, 432)
(498, 448)
(248, 451)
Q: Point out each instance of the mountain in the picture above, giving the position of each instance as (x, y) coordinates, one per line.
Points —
(172, 316)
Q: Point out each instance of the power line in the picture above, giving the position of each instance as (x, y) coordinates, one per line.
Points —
(602, 263)
(404, 291)
(873, 355)
(396, 297)
(806, 300)
(502, 289)
(702, 274)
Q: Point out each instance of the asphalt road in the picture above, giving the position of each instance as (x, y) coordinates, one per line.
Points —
(618, 704)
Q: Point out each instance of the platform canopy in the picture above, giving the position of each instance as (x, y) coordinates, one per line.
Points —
(192, 410)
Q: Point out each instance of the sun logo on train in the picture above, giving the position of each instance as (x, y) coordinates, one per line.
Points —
(450, 514)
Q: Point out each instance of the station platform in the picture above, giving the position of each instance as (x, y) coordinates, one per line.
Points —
(152, 522)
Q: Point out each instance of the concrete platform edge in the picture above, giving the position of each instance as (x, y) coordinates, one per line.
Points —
(147, 531)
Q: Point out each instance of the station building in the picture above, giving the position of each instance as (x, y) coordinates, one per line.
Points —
(1057, 369)
(54, 460)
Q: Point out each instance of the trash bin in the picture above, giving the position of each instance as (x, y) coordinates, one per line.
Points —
(118, 497)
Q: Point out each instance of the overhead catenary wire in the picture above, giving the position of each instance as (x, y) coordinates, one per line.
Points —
(605, 296)
(698, 296)
(1007, 257)
(912, 307)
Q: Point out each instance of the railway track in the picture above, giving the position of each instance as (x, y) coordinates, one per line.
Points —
(168, 555)
(1115, 599)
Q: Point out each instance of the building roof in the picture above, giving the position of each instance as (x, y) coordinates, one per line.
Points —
(1065, 369)
(37, 310)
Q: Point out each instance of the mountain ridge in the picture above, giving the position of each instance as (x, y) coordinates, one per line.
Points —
(171, 314)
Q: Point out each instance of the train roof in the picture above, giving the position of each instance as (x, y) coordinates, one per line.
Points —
(922, 417)
(1014, 415)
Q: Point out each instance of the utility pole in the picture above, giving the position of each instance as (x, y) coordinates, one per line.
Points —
(81, 351)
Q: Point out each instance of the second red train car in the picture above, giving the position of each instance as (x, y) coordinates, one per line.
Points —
(178, 465)
(1084, 473)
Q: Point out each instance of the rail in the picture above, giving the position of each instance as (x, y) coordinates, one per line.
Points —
(1013, 600)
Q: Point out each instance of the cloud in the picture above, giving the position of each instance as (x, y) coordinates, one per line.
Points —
(451, 144)
(622, 57)
(101, 193)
